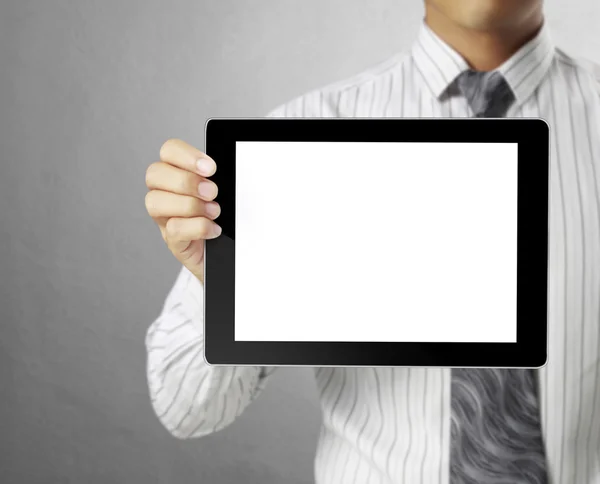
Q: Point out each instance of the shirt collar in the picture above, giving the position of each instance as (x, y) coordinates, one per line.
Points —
(440, 64)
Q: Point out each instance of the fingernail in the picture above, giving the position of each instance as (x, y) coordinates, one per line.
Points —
(213, 209)
(217, 230)
(206, 189)
(205, 166)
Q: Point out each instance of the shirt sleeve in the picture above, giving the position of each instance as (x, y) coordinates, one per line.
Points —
(190, 397)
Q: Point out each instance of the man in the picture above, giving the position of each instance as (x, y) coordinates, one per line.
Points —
(416, 425)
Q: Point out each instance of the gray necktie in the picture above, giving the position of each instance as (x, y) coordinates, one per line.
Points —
(496, 437)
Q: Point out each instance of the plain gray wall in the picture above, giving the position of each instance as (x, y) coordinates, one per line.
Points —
(89, 90)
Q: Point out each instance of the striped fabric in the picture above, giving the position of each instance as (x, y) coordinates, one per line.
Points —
(392, 425)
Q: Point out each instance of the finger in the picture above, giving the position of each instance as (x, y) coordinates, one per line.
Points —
(181, 231)
(161, 222)
(187, 157)
(191, 255)
(162, 176)
(166, 204)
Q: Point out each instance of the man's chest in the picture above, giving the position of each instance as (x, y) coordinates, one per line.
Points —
(569, 382)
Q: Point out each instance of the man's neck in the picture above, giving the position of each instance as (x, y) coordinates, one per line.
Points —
(483, 50)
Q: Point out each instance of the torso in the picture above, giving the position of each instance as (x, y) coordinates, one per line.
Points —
(389, 425)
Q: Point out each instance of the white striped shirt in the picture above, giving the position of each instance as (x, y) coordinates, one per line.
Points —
(391, 425)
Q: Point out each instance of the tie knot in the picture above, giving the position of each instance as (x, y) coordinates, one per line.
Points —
(488, 93)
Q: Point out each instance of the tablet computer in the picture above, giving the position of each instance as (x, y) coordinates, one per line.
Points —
(378, 242)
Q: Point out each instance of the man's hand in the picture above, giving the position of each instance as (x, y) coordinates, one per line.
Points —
(180, 202)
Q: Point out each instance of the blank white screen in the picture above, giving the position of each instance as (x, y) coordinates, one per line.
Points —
(364, 241)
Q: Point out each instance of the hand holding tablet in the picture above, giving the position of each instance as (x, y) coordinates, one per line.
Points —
(180, 200)
(437, 258)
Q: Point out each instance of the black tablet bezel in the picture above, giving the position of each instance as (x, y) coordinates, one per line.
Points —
(530, 350)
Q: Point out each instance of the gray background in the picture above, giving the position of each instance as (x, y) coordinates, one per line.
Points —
(89, 90)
